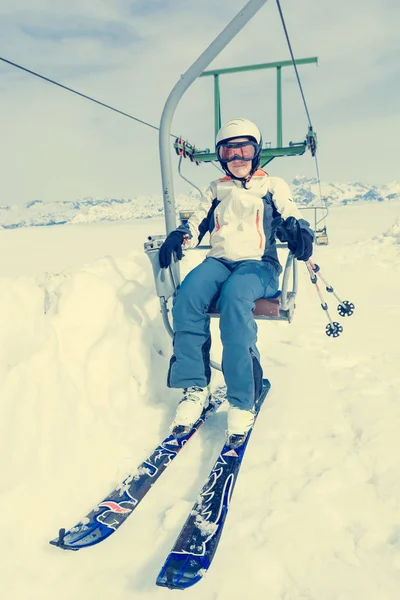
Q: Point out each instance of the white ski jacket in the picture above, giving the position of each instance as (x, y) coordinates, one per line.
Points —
(239, 219)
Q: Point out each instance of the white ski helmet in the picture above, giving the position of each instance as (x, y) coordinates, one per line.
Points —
(240, 128)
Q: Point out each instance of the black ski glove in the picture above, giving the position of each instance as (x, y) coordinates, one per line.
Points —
(299, 240)
(173, 243)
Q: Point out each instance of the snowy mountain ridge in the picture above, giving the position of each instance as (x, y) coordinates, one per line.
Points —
(89, 210)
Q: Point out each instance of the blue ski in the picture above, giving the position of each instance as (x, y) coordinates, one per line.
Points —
(109, 514)
(197, 543)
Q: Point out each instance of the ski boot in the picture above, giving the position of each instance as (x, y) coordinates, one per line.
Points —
(189, 409)
(239, 424)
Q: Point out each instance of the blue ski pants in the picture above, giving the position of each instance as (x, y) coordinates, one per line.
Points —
(236, 285)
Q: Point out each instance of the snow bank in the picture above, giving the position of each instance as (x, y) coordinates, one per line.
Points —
(78, 398)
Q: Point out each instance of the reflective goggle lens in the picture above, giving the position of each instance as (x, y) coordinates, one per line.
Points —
(228, 151)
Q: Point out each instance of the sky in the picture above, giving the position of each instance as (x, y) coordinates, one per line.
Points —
(129, 54)
(83, 362)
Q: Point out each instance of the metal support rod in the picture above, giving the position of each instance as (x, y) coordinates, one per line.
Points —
(257, 67)
(279, 106)
(267, 154)
(290, 268)
(222, 40)
(217, 105)
(186, 179)
(164, 313)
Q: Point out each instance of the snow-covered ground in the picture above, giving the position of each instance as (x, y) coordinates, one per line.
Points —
(83, 359)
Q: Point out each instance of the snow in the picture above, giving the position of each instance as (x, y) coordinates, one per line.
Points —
(306, 192)
(315, 514)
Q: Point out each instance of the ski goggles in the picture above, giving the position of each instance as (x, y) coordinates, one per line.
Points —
(228, 151)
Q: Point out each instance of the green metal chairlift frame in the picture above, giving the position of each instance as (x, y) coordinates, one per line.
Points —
(268, 153)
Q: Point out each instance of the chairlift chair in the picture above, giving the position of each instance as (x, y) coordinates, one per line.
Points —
(167, 281)
(321, 236)
(278, 308)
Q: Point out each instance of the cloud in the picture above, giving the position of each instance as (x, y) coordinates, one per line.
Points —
(130, 55)
(57, 30)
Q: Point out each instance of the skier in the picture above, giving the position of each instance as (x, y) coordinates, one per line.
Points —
(243, 212)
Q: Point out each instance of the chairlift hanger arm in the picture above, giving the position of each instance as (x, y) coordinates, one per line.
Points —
(220, 42)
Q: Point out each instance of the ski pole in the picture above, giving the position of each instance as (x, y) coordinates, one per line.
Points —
(345, 308)
(333, 328)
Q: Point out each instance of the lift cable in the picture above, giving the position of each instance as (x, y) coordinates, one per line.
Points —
(294, 62)
(304, 101)
(68, 89)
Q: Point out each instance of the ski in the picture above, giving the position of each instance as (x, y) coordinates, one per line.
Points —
(195, 547)
(112, 512)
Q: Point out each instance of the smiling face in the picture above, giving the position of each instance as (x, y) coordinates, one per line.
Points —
(240, 168)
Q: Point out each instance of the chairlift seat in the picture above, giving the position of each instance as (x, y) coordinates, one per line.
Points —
(321, 240)
(265, 308)
(321, 237)
(279, 308)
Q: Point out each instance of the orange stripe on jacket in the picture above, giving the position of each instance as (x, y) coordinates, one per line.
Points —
(258, 173)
